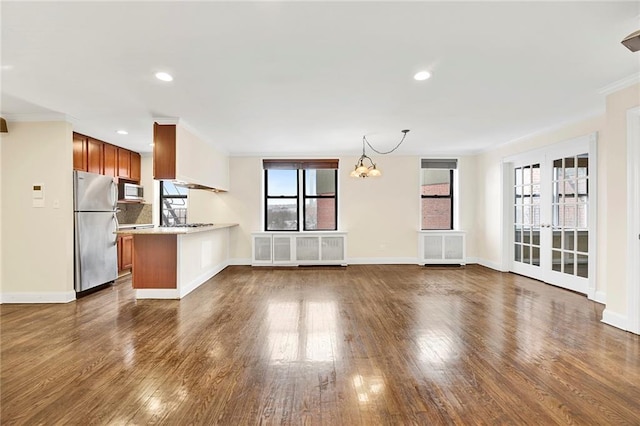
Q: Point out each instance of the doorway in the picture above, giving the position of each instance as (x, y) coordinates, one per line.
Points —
(552, 208)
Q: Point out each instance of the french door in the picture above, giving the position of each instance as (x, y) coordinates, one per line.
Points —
(552, 205)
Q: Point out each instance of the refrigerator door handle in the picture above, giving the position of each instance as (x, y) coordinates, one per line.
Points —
(115, 219)
(114, 191)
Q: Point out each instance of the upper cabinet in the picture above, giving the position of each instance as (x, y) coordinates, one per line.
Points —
(95, 156)
(134, 173)
(110, 160)
(164, 151)
(79, 152)
(124, 163)
(180, 155)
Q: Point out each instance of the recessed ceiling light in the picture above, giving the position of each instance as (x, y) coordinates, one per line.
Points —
(122, 132)
(164, 76)
(422, 75)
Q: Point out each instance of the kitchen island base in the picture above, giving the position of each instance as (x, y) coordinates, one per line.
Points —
(169, 263)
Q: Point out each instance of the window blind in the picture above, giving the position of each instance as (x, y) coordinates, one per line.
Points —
(440, 163)
(291, 164)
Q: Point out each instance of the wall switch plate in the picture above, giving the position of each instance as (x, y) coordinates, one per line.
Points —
(37, 194)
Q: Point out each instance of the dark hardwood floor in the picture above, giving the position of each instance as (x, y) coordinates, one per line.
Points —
(362, 345)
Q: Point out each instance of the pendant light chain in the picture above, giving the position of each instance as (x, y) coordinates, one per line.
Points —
(361, 170)
(364, 140)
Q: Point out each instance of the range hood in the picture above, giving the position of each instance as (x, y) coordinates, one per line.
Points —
(196, 186)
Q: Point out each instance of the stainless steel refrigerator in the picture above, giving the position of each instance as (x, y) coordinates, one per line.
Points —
(95, 200)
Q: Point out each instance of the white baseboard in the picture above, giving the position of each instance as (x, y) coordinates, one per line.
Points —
(240, 261)
(491, 265)
(382, 261)
(600, 297)
(38, 297)
(201, 279)
(173, 293)
(615, 319)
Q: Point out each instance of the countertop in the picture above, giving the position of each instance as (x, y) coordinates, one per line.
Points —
(169, 231)
(130, 226)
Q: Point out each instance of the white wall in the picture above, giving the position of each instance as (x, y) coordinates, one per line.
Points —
(2, 135)
(613, 205)
(381, 216)
(242, 205)
(150, 186)
(37, 243)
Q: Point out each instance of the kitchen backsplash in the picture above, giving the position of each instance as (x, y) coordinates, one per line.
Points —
(134, 213)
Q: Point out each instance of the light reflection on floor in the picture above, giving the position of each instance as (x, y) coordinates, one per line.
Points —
(302, 331)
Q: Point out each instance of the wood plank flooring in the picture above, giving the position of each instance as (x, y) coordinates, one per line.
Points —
(361, 345)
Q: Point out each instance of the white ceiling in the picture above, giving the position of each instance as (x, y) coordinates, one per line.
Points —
(310, 78)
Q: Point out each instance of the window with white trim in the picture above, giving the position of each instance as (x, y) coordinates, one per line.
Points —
(437, 193)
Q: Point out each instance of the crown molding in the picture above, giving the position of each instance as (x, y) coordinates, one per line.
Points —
(46, 116)
(619, 85)
(546, 130)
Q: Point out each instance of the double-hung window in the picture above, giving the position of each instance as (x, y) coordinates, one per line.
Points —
(300, 192)
(437, 193)
(173, 204)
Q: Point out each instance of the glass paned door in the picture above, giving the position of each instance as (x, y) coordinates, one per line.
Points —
(528, 213)
(526, 207)
(552, 224)
(570, 221)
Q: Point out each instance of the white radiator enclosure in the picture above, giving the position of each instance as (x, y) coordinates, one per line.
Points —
(441, 247)
(299, 248)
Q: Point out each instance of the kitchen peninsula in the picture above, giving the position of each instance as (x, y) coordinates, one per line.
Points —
(169, 263)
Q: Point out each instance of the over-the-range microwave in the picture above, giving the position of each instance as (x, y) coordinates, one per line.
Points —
(130, 192)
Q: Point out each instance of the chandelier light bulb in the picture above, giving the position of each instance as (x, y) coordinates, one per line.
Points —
(362, 169)
(374, 172)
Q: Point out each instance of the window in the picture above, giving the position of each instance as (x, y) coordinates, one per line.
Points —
(320, 211)
(301, 191)
(281, 187)
(173, 202)
(437, 193)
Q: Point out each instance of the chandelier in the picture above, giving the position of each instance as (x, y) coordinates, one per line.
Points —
(363, 170)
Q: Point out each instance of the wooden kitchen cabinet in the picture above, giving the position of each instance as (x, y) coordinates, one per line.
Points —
(164, 151)
(124, 163)
(134, 174)
(125, 252)
(94, 156)
(110, 158)
(79, 152)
